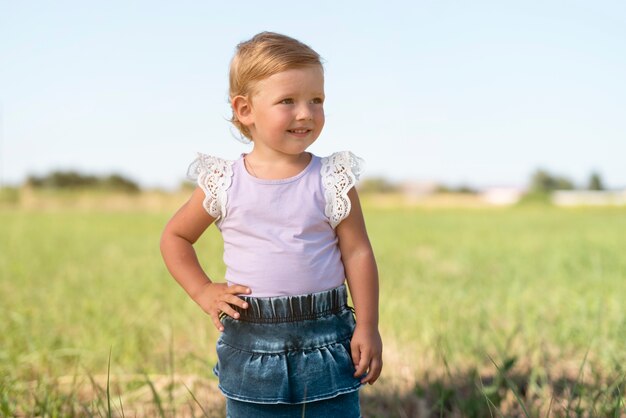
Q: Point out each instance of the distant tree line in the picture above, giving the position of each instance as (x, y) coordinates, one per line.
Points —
(377, 185)
(463, 188)
(75, 180)
(541, 182)
(544, 182)
(382, 185)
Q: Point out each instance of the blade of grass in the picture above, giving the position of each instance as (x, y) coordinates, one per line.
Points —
(512, 387)
(121, 406)
(87, 411)
(171, 366)
(578, 378)
(155, 395)
(44, 407)
(196, 400)
(99, 413)
(440, 405)
(99, 392)
(6, 407)
(443, 395)
(108, 390)
(619, 401)
(108, 384)
(550, 404)
(489, 403)
(72, 398)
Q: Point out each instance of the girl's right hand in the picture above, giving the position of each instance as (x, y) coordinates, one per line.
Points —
(217, 297)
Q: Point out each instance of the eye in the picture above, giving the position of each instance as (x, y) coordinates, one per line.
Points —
(286, 101)
(318, 100)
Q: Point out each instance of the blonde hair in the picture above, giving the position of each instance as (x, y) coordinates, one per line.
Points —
(266, 54)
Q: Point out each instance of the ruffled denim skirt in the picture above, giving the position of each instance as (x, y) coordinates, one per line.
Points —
(289, 356)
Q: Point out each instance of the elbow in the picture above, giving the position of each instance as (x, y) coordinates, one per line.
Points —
(359, 254)
(171, 239)
(168, 237)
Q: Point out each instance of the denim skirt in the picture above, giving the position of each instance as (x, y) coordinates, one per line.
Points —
(289, 356)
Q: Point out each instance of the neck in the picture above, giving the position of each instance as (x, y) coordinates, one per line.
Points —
(266, 167)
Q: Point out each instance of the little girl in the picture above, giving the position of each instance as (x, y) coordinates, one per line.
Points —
(293, 232)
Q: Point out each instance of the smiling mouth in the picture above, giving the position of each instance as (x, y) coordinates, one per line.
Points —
(299, 131)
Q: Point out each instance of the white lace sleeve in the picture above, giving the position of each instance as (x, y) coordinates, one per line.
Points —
(214, 176)
(340, 172)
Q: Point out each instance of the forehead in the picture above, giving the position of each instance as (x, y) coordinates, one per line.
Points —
(310, 78)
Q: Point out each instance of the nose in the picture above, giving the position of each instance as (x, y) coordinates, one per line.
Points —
(304, 112)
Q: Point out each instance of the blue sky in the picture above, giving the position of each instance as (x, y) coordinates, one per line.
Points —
(479, 93)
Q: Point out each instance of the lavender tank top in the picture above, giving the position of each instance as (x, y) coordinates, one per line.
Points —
(279, 235)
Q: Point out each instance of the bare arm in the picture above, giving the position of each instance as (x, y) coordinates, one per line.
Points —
(362, 275)
(177, 240)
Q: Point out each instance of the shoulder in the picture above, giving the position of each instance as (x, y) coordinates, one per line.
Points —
(345, 162)
(214, 176)
(340, 172)
(205, 163)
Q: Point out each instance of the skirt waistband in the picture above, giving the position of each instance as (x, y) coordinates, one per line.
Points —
(294, 308)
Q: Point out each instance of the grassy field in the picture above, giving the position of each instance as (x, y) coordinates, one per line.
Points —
(484, 312)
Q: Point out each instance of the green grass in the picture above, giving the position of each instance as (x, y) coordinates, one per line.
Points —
(473, 280)
(539, 290)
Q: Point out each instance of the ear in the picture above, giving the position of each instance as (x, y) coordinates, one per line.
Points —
(242, 108)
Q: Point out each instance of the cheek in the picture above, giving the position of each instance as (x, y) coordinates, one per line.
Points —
(283, 117)
(273, 120)
(321, 118)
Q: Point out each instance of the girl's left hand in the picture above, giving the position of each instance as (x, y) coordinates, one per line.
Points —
(367, 352)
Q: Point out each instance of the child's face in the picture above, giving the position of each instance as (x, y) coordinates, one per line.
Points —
(287, 110)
